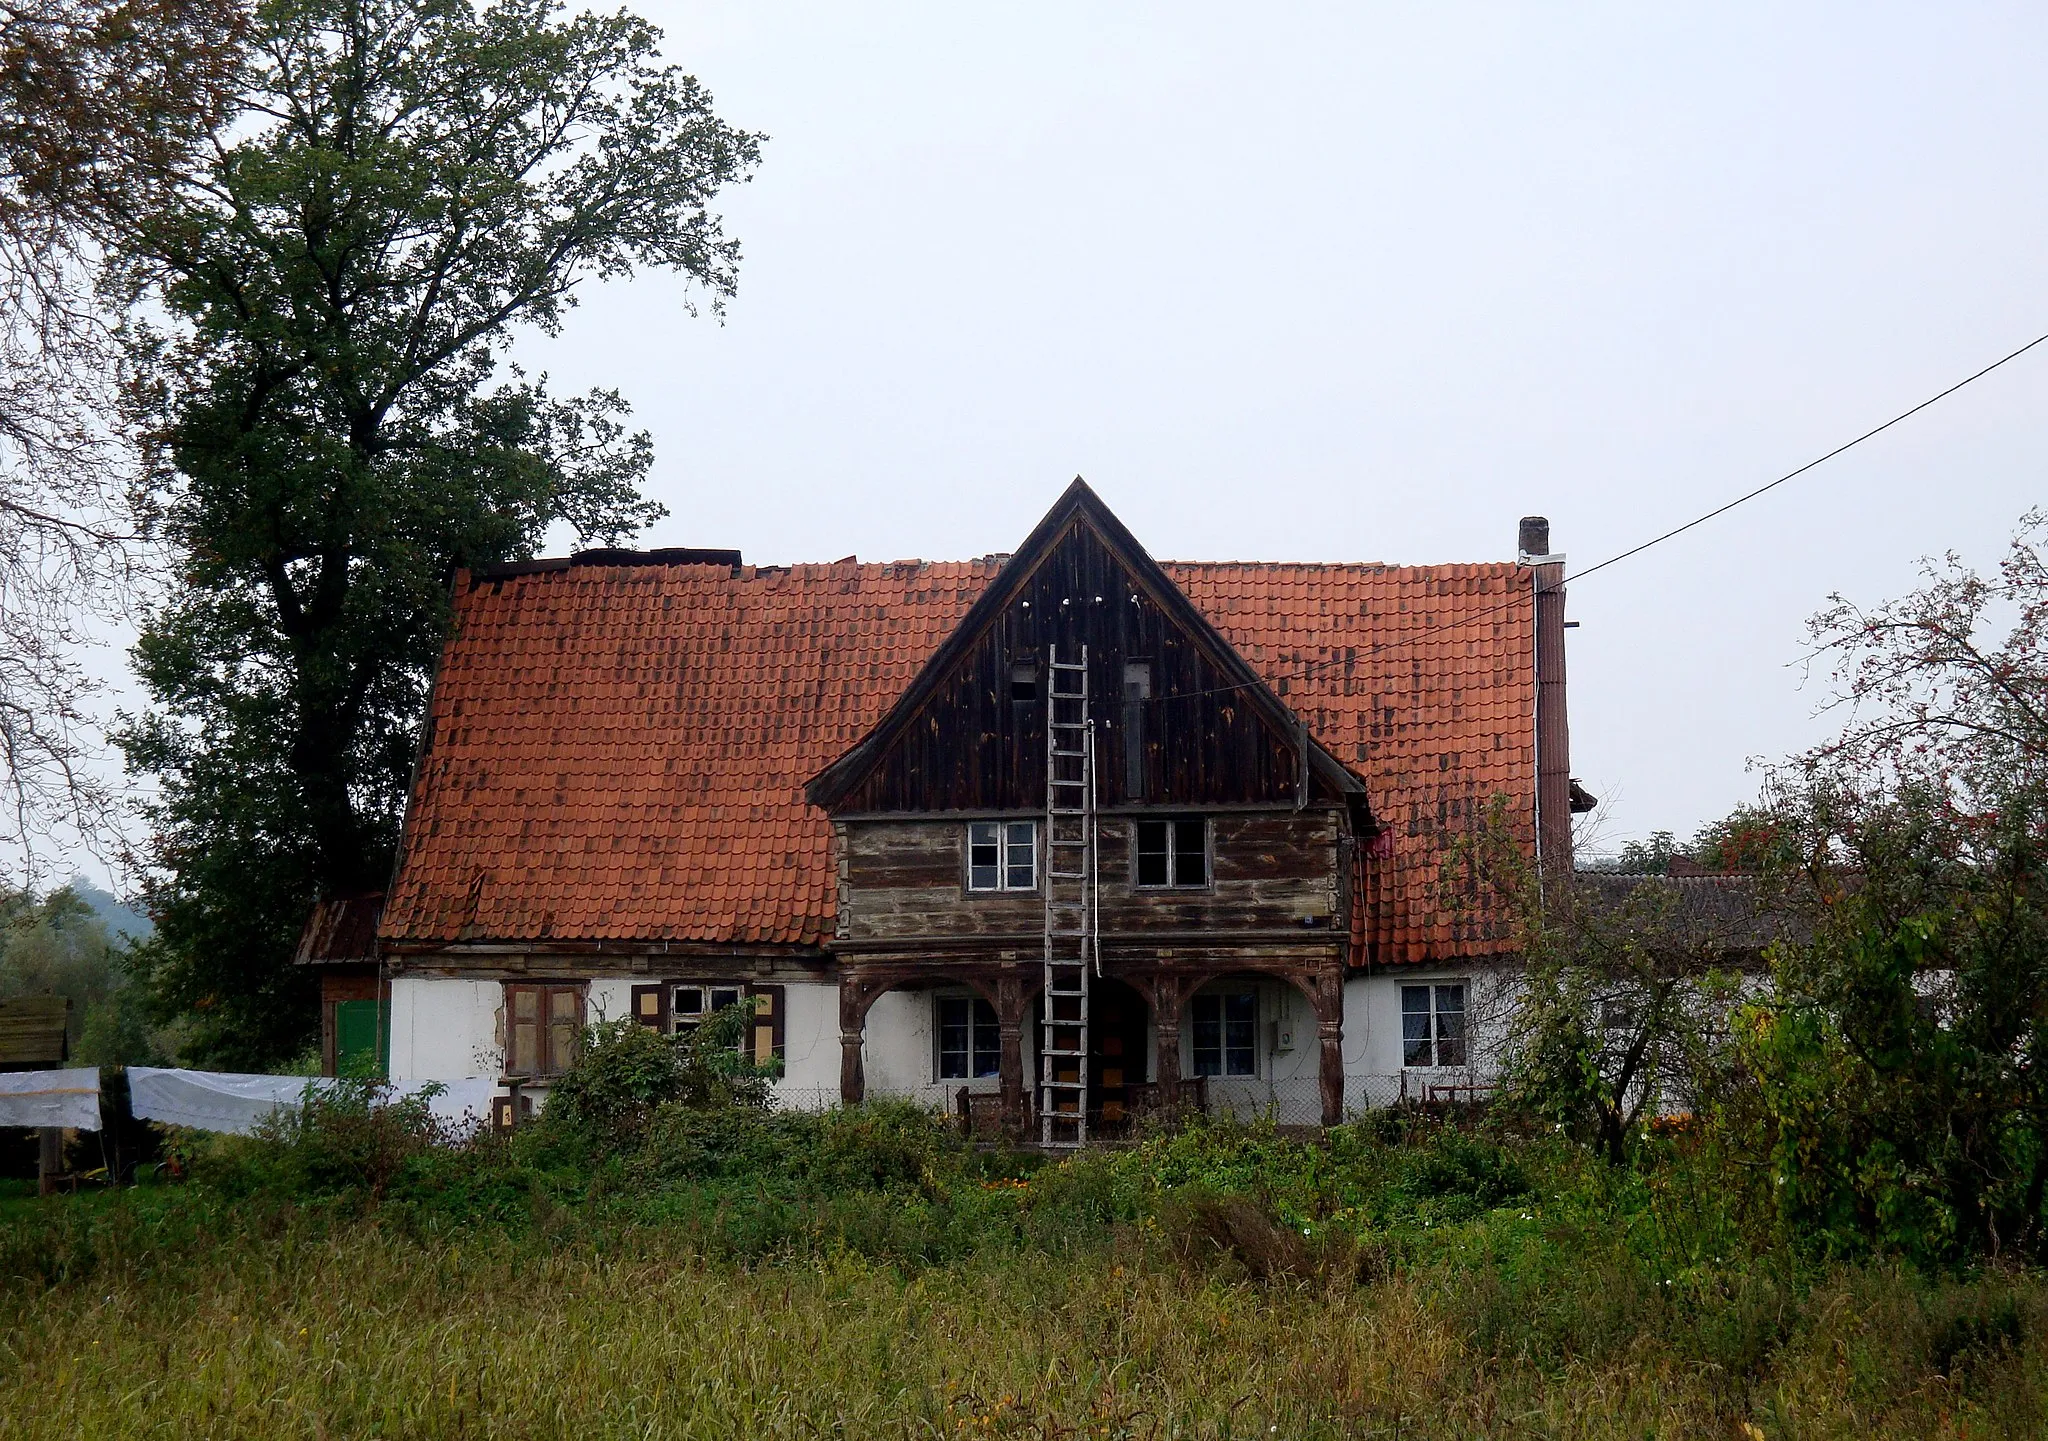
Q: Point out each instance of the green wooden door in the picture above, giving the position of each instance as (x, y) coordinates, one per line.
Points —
(361, 1038)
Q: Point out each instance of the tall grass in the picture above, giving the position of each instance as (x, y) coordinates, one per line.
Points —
(866, 1274)
(361, 1332)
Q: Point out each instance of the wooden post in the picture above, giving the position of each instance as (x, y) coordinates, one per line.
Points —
(49, 1161)
(1010, 1007)
(1168, 998)
(853, 1019)
(1330, 1034)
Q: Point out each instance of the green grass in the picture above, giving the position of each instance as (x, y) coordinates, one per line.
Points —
(865, 1276)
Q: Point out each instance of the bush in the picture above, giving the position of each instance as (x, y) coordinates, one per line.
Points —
(627, 1071)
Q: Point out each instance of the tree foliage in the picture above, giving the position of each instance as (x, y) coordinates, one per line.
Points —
(1620, 1005)
(1902, 1098)
(336, 426)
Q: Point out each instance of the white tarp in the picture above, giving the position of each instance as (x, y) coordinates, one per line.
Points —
(239, 1103)
(51, 1098)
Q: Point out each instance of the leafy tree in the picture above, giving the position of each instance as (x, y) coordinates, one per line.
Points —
(337, 428)
(1620, 1006)
(1901, 1096)
(97, 97)
(54, 945)
(1750, 838)
(1646, 858)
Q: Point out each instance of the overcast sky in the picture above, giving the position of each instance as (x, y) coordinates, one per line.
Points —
(1368, 283)
(1292, 282)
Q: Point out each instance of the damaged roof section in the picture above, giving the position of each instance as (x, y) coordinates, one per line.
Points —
(618, 747)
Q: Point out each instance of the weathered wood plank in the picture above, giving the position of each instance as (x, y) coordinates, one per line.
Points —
(1272, 872)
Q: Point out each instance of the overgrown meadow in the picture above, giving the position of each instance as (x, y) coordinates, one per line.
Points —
(717, 1269)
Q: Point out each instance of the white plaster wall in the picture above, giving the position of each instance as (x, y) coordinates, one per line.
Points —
(442, 1030)
(1372, 1023)
(899, 1049)
(810, 1046)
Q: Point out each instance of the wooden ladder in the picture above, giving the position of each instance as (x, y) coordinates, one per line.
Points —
(1071, 953)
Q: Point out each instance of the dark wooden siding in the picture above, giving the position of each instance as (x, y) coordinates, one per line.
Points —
(905, 879)
(974, 748)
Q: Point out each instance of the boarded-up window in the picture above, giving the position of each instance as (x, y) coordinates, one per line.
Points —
(650, 1007)
(543, 1028)
(770, 1029)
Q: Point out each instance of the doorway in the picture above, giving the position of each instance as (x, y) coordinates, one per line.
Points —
(1118, 1018)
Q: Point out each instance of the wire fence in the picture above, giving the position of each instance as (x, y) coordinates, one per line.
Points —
(1294, 1102)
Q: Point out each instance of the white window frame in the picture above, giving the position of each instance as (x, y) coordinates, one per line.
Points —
(1456, 1034)
(1223, 1022)
(992, 1056)
(1009, 837)
(681, 1022)
(1173, 852)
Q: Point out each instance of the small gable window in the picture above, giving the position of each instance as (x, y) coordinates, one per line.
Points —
(1173, 853)
(1002, 855)
(1024, 682)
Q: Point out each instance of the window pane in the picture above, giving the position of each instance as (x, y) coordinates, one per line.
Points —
(1208, 1036)
(1152, 862)
(1415, 1047)
(1240, 1016)
(984, 856)
(1450, 1025)
(1024, 681)
(565, 1028)
(720, 999)
(1021, 856)
(952, 1038)
(988, 1040)
(1190, 853)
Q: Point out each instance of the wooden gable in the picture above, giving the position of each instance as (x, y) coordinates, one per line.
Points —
(969, 732)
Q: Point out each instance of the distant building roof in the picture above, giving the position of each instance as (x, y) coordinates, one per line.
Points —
(1734, 913)
(341, 931)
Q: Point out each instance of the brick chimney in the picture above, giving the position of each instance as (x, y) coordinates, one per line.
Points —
(1553, 734)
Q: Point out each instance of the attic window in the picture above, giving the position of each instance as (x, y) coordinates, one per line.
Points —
(1024, 682)
(1002, 855)
(1172, 853)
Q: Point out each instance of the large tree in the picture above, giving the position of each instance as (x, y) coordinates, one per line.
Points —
(403, 184)
(97, 98)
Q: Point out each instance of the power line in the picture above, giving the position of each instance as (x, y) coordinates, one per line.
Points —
(1309, 670)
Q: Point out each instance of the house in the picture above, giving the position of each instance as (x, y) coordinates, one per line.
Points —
(1060, 835)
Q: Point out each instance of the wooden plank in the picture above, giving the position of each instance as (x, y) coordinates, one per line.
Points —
(32, 1031)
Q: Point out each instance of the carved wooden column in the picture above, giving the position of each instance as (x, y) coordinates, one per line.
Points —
(853, 1019)
(1011, 1005)
(1169, 998)
(1330, 1035)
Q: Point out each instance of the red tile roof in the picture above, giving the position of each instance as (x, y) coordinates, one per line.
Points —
(619, 752)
